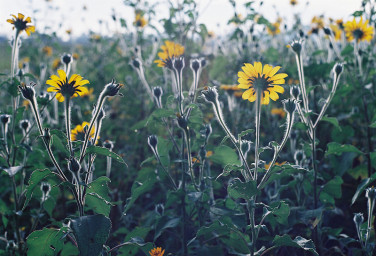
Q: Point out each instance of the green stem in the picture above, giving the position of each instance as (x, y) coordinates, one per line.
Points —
(257, 124)
(184, 215)
(68, 124)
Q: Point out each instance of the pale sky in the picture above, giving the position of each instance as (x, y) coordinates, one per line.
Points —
(61, 15)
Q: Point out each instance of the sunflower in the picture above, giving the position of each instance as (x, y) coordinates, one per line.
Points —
(156, 251)
(337, 32)
(64, 88)
(256, 79)
(170, 50)
(273, 29)
(358, 30)
(139, 20)
(276, 163)
(78, 132)
(21, 24)
(293, 2)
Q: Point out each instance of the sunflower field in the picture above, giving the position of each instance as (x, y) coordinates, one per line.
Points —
(167, 138)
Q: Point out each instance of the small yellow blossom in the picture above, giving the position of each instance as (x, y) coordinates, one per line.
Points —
(20, 24)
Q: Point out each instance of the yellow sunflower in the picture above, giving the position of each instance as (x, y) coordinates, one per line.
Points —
(337, 32)
(359, 31)
(273, 29)
(78, 132)
(263, 80)
(21, 24)
(293, 2)
(139, 20)
(64, 88)
(170, 50)
(156, 251)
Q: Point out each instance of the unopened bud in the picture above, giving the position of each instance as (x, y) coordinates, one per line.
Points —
(24, 124)
(28, 91)
(108, 144)
(210, 94)
(289, 105)
(338, 68)
(5, 119)
(112, 89)
(178, 64)
(66, 58)
(295, 91)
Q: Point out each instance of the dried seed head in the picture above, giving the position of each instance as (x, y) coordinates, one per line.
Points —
(45, 187)
(153, 142)
(358, 219)
(371, 193)
(157, 94)
(195, 65)
(327, 31)
(182, 121)
(136, 63)
(178, 64)
(74, 166)
(159, 209)
(297, 46)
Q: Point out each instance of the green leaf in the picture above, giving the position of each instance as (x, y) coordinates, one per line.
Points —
(144, 182)
(35, 178)
(333, 187)
(164, 223)
(105, 152)
(373, 125)
(91, 233)
(97, 197)
(226, 233)
(333, 121)
(131, 247)
(47, 242)
(362, 186)
(280, 212)
(224, 155)
(298, 242)
(246, 132)
(338, 149)
(238, 189)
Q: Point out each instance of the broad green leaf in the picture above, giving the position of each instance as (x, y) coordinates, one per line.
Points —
(164, 223)
(333, 187)
(333, 121)
(224, 155)
(338, 149)
(226, 233)
(35, 179)
(298, 242)
(280, 212)
(47, 242)
(91, 233)
(246, 132)
(373, 125)
(143, 183)
(105, 152)
(131, 247)
(238, 189)
(97, 197)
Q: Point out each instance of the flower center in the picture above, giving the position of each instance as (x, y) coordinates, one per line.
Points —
(260, 83)
(358, 33)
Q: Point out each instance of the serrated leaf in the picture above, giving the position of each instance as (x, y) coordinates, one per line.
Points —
(105, 152)
(298, 242)
(91, 233)
(338, 149)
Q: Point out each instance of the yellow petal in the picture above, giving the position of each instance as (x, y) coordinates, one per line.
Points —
(267, 69)
(247, 94)
(273, 95)
(251, 69)
(258, 67)
(243, 86)
(59, 97)
(265, 99)
(278, 88)
(52, 89)
(21, 16)
(274, 71)
(278, 76)
(52, 83)
(63, 75)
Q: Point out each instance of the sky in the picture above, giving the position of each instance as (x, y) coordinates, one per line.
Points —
(61, 15)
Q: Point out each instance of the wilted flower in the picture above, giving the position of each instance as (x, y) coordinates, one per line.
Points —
(20, 24)
(263, 80)
(65, 88)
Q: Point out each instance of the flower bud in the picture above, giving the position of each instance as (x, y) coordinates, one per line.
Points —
(299, 156)
(289, 105)
(295, 91)
(371, 193)
(195, 65)
(66, 58)
(157, 94)
(159, 209)
(153, 142)
(136, 63)
(112, 89)
(210, 94)
(108, 144)
(338, 68)
(24, 124)
(182, 122)
(327, 31)
(28, 91)
(5, 119)
(45, 188)
(178, 64)
(296, 46)
(358, 219)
